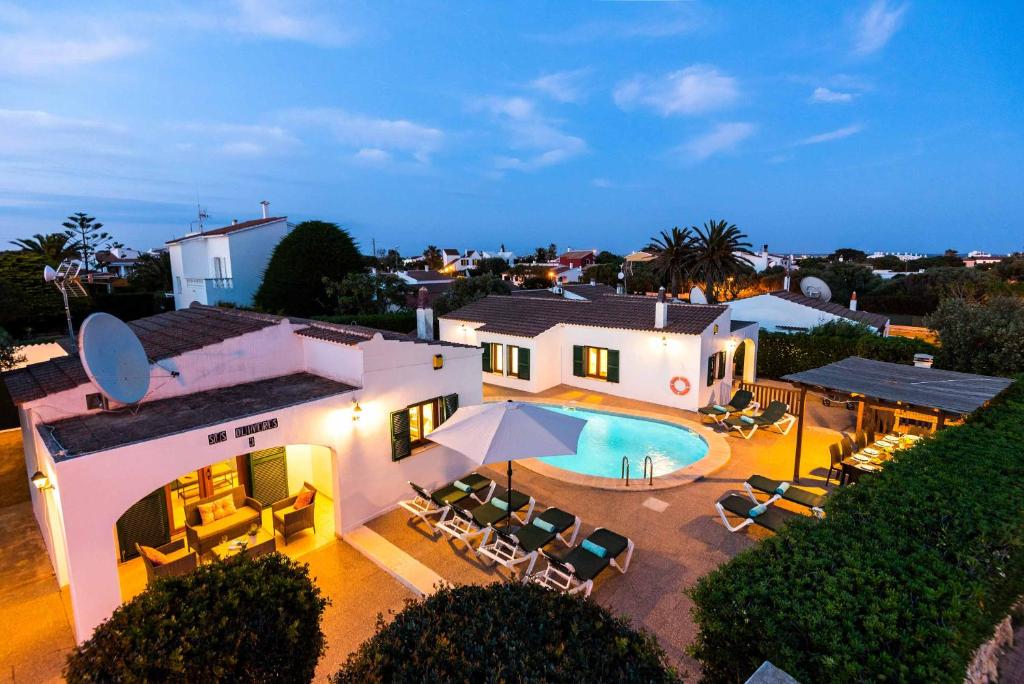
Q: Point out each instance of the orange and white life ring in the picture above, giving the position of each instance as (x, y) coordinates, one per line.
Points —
(674, 385)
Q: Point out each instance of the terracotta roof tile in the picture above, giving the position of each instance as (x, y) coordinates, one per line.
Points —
(524, 316)
(866, 317)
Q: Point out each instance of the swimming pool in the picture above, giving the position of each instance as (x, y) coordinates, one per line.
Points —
(610, 436)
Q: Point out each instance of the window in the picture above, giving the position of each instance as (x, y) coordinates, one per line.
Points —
(177, 284)
(492, 359)
(716, 367)
(423, 418)
(597, 363)
(518, 362)
(411, 426)
(218, 267)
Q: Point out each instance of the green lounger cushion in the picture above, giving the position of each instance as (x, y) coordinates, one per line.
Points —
(714, 410)
(586, 565)
(489, 513)
(614, 543)
(795, 494)
(559, 518)
(532, 538)
(772, 519)
(476, 481)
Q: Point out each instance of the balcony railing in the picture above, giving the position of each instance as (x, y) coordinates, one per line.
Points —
(219, 283)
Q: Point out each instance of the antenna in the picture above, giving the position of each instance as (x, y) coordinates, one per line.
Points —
(65, 279)
(202, 216)
(113, 358)
(816, 288)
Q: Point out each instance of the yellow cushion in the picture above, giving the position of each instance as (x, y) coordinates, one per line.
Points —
(208, 511)
(224, 507)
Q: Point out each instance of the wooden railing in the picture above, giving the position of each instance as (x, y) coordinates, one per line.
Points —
(766, 394)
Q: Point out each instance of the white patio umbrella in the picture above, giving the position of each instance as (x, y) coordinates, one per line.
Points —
(509, 430)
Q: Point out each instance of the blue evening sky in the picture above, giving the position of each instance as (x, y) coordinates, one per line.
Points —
(885, 124)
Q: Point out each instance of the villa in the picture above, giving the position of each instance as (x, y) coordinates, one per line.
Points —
(673, 354)
(785, 311)
(236, 399)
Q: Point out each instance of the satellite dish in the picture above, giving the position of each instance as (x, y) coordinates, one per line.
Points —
(815, 288)
(49, 275)
(697, 296)
(113, 358)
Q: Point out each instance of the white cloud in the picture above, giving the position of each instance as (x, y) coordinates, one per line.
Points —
(564, 86)
(724, 137)
(876, 26)
(695, 89)
(837, 134)
(363, 132)
(236, 140)
(279, 20)
(374, 156)
(529, 132)
(829, 96)
(683, 20)
(602, 183)
(34, 132)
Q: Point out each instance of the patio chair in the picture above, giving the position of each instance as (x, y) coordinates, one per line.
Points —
(170, 560)
(524, 543)
(289, 520)
(785, 491)
(497, 507)
(574, 571)
(835, 455)
(741, 401)
(426, 505)
(776, 415)
(860, 440)
(462, 527)
(763, 514)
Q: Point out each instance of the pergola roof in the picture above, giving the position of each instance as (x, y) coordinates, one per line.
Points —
(930, 388)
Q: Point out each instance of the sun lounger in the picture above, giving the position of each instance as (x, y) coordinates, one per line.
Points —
(776, 415)
(425, 505)
(741, 401)
(524, 543)
(574, 571)
(497, 508)
(786, 492)
(764, 514)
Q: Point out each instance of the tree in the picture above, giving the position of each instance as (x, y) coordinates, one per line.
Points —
(152, 273)
(294, 280)
(9, 356)
(980, 337)
(540, 255)
(673, 255)
(86, 237)
(552, 252)
(951, 253)
(888, 262)
(848, 254)
(1010, 269)
(506, 632)
(53, 247)
(494, 265)
(367, 293)
(467, 290)
(26, 300)
(716, 255)
(606, 257)
(432, 255)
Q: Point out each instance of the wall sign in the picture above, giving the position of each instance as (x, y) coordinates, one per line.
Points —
(217, 437)
(253, 428)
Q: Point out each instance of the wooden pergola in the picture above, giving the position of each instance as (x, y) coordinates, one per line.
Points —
(938, 396)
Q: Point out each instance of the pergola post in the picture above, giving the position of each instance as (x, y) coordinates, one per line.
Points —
(860, 413)
(799, 433)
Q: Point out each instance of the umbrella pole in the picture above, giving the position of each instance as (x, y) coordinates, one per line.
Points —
(508, 499)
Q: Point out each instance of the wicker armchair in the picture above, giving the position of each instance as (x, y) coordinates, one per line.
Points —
(288, 521)
(180, 563)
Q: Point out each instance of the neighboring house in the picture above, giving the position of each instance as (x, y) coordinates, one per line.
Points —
(117, 261)
(902, 256)
(977, 258)
(589, 291)
(276, 401)
(503, 254)
(785, 311)
(764, 260)
(674, 354)
(450, 259)
(469, 261)
(567, 274)
(578, 258)
(224, 265)
(436, 284)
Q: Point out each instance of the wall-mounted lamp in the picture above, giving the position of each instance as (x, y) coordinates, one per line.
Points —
(41, 481)
(438, 361)
(731, 344)
(664, 341)
(357, 410)
(715, 331)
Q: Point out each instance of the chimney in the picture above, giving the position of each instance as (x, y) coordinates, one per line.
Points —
(661, 310)
(424, 315)
(923, 360)
(853, 301)
(263, 206)
(234, 222)
(593, 282)
(764, 251)
(785, 282)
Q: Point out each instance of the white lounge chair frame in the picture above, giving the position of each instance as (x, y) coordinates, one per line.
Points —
(746, 521)
(509, 555)
(467, 531)
(426, 508)
(553, 577)
(783, 425)
(818, 512)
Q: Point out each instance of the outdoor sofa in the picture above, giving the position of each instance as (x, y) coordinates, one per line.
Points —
(202, 537)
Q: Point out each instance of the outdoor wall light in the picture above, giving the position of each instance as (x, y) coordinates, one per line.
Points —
(41, 482)
(438, 361)
(356, 410)
(664, 341)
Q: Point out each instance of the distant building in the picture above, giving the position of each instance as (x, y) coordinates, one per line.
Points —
(785, 311)
(449, 259)
(578, 258)
(117, 261)
(470, 261)
(763, 260)
(902, 256)
(503, 254)
(224, 264)
(977, 258)
(436, 284)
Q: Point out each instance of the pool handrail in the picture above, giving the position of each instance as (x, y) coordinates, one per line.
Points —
(625, 470)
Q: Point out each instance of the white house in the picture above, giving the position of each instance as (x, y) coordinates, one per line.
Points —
(674, 354)
(785, 311)
(277, 401)
(503, 254)
(224, 265)
(764, 260)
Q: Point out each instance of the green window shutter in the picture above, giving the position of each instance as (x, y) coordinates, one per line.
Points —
(711, 370)
(400, 446)
(577, 361)
(451, 405)
(613, 365)
(721, 365)
(487, 357)
(524, 364)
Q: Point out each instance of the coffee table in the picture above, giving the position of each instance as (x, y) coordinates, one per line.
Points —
(263, 542)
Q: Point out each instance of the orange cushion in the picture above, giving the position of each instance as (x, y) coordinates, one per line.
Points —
(224, 507)
(304, 498)
(208, 511)
(153, 556)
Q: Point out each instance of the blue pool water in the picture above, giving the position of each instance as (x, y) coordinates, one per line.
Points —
(608, 437)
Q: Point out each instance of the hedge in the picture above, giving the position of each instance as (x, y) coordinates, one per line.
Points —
(779, 353)
(905, 577)
(400, 321)
(505, 632)
(241, 620)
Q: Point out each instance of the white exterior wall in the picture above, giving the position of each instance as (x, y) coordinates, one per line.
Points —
(250, 252)
(770, 312)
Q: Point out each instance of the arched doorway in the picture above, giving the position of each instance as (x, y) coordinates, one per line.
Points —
(744, 361)
(739, 360)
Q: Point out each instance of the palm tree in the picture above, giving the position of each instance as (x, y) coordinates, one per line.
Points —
(540, 255)
(53, 246)
(673, 252)
(432, 255)
(716, 255)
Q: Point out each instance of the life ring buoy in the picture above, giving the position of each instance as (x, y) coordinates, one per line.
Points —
(674, 382)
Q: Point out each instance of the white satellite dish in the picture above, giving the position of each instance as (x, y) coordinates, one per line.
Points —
(815, 288)
(49, 274)
(697, 296)
(113, 358)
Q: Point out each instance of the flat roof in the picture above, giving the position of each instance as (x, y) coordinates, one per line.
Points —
(934, 388)
(93, 432)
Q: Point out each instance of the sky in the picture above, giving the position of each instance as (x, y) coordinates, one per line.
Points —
(882, 125)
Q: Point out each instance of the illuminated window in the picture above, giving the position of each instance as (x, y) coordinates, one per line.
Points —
(513, 361)
(597, 363)
(497, 359)
(423, 418)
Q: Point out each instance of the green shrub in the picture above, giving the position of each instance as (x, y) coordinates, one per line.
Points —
(400, 321)
(242, 620)
(780, 354)
(507, 633)
(905, 577)
(981, 337)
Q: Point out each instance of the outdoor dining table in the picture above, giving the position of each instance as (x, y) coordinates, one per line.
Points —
(871, 459)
